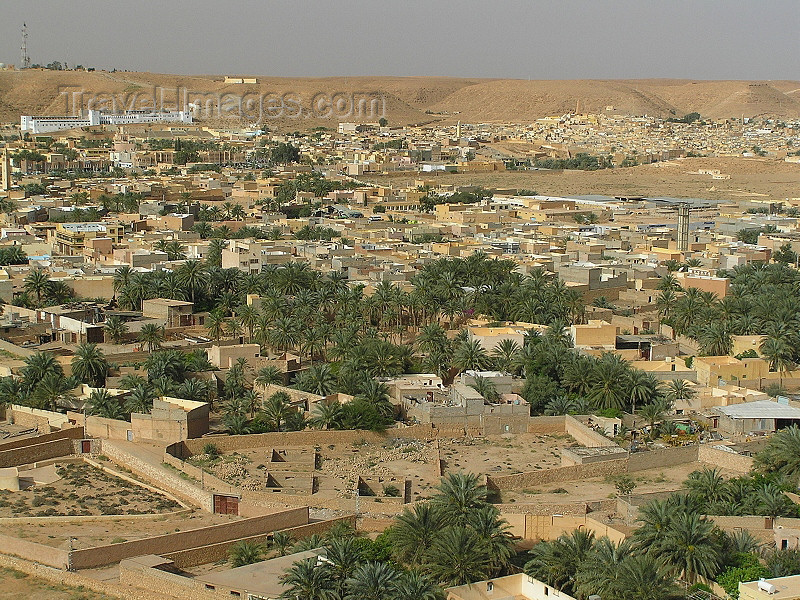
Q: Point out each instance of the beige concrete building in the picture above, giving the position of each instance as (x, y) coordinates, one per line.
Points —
(511, 587)
(777, 588)
(225, 357)
(174, 313)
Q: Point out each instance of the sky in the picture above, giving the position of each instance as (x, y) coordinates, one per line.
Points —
(522, 39)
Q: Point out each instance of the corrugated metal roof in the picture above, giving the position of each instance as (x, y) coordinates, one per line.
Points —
(761, 409)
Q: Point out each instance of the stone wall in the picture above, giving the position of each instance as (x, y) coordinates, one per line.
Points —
(660, 459)
(546, 425)
(61, 577)
(40, 553)
(173, 542)
(640, 461)
(738, 463)
(585, 436)
(215, 552)
(73, 433)
(161, 476)
(162, 584)
(29, 419)
(35, 452)
(556, 475)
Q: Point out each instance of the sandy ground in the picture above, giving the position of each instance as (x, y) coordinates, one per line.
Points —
(750, 178)
(602, 488)
(90, 534)
(68, 496)
(15, 585)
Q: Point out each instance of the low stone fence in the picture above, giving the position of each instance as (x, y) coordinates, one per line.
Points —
(215, 552)
(193, 538)
(39, 553)
(160, 476)
(730, 461)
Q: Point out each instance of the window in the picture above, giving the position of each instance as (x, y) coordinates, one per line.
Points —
(489, 586)
(210, 587)
(546, 591)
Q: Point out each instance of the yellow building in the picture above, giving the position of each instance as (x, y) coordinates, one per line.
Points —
(747, 372)
(70, 238)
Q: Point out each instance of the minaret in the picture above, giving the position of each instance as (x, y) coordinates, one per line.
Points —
(6, 167)
(458, 131)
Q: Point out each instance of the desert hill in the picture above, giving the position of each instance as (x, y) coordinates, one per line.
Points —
(428, 99)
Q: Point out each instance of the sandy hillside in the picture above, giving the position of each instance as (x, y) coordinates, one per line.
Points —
(433, 99)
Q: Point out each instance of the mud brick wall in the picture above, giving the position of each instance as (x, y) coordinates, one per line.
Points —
(556, 475)
(214, 552)
(40, 553)
(159, 475)
(35, 453)
(725, 460)
(173, 542)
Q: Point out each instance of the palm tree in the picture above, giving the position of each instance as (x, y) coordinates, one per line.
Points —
(89, 365)
(715, 339)
(608, 383)
(470, 355)
(779, 355)
(115, 329)
(556, 563)
(308, 580)
(193, 275)
(680, 389)
(54, 391)
(486, 388)
(412, 585)
(281, 541)
(37, 282)
(690, 547)
(140, 400)
(459, 494)
(318, 379)
(504, 354)
(246, 553)
(599, 573)
(103, 404)
(151, 335)
(327, 415)
(344, 555)
(494, 532)
(269, 376)
(653, 413)
(215, 324)
(37, 366)
(247, 317)
(708, 484)
(195, 390)
(656, 519)
(276, 410)
(458, 556)
(371, 581)
(414, 531)
(782, 454)
(641, 577)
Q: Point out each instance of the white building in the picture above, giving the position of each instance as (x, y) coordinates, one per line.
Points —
(46, 124)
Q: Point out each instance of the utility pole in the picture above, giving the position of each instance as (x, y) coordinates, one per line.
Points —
(25, 60)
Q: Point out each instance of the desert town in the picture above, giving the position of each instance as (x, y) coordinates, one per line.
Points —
(460, 360)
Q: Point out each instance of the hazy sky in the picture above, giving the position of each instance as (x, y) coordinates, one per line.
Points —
(552, 39)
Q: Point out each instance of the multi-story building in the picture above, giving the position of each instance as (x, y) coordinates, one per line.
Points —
(70, 238)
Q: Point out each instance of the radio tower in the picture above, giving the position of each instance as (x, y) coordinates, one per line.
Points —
(25, 59)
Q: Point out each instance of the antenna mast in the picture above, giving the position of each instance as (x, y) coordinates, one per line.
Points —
(25, 59)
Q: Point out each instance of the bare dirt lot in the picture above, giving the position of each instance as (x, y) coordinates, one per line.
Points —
(88, 534)
(16, 585)
(601, 488)
(83, 490)
(749, 178)
(339, 466)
